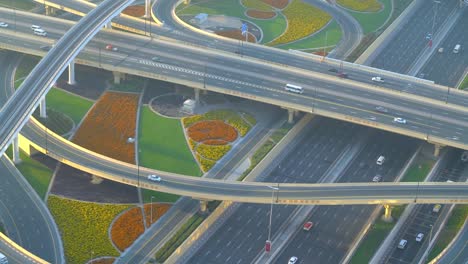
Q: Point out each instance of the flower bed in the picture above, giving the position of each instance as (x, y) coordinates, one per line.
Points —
(127, 228)
(215, 129)
(213, 152)
(280, 4)
(303, 20)
(260, 14)
(215, 142)
(109, 124)
(257, 5)
(205, 164)
(231, 117)
(361, 5)
(84, 227)
(159, 209)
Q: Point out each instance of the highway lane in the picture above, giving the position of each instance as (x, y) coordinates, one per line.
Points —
(446, 68)
(411, 39)
(219, 75)
(336, 227)
(314, 63)
(458, 253)
(243, 235)
(423, 217)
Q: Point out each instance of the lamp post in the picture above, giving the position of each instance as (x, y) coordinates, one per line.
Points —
(151, 221)
(433, 21)
(429, 242)
(273, 189)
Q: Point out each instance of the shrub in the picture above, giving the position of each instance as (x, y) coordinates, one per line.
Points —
(213, 152)
(109, 124)
(361, 5)
(205, 130)
(127, 228)
(84, 227)
(303, 20)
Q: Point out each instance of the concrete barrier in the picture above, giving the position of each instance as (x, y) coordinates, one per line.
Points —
(27, 255)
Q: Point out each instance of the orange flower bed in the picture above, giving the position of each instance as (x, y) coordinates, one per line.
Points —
(136, 11)
(236, 34)
(103, 261)
(127, 228)
(109, 124)
(280, 4)
(260, 14)
(158, 211)
(212, 129)
(214, 142)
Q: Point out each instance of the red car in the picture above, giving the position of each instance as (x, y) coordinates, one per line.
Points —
(110, 47)
(307, 226)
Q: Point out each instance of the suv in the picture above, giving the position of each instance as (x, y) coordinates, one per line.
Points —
(33, 27)
(40, 32)
(402, 244)
(3, 25)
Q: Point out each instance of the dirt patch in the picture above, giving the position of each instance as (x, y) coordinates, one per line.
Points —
(280, 4)
(236, 34)
(260, 14)
(136, 11)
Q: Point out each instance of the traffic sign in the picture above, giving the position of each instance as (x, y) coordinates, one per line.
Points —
(244, 28)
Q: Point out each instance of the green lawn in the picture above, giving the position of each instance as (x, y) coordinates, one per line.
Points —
(330, 35)
(418, 171)
(370, 22)
(71, 105)
(37, 174)
(464, 83)
(163, 146)
(271, 28)
(18, 4)
(454, 223)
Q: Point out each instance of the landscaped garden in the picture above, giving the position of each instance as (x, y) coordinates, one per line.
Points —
(361, 5)
(210, 135)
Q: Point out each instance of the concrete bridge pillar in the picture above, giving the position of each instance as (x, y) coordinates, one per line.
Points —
(197, 95)
(118, 76)
(16, 150)
(71, 73)
(203, 206)
(290, 116)
(147, 8)
(50, 11)
(42, 108)
(387, 217)
(108, 25)
(437, 149)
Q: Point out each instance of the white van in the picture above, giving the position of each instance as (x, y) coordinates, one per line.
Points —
(3, 259)
(33, 27)
(40, 32)
(457, 48)
(380, 160)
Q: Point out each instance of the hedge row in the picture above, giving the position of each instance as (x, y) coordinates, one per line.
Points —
(361, 5)
(303, 20)
(84, 227)
(127, 228)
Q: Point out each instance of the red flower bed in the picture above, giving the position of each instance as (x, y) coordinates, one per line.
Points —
(158, 211)
(212, 130)
(109, 124)
(127, 228)
(214, 142)
(260, 14)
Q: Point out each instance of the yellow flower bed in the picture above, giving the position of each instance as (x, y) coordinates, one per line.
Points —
(303, 20)
(231, 117)
(84, 227)
(257, 5)
(213, 152)
(361, 5)
(206, 164)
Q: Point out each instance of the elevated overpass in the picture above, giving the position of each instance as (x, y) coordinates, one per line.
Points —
(428, 119)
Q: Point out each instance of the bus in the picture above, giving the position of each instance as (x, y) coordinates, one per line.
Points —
(293, 88)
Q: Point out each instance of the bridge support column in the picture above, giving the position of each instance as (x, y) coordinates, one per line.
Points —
(147, 8)
(290, 116)
(16, 150)
(42, 108)
(108, 25)
(71, 73)
(437, 149)
(118, 76)
(197, 95)
(387, 217)
(203, 206)
(50, 11)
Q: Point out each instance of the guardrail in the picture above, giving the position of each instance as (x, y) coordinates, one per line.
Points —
(28, 256)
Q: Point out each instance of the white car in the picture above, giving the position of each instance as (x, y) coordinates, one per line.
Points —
(402, 244)
(292, 260)
(3, 25)
(377, 178)
(378, 79)
(154, 178)
(399, 120)
(419, 237)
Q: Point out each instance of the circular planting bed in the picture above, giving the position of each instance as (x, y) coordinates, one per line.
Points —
(212, 130)
(260, 14)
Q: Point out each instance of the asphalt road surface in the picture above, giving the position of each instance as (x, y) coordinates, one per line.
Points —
(336, 227)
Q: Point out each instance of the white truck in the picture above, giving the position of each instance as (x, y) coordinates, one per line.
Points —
(3, 259)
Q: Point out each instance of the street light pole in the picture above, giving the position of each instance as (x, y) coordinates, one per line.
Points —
(433, 21)
(273, 189)
(429, 242)
(151, 222)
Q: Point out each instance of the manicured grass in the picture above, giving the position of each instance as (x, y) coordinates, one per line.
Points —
(179, 237)
(272, 28)
(329, 36)
(163, 146)
(464, 83)
(37, 174)
(370, 22)
(18, 4)
(158, 196)
(418, 171)
(133, 86)
(454, 223)
(56, 121)
(28, 63)
(84, 227)
(69, 104)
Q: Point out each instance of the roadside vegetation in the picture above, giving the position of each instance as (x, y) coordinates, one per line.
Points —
(84, 228)
(464, 83)
(56, 121)
(18, 4)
